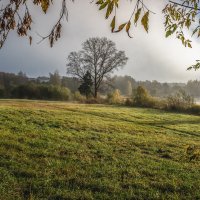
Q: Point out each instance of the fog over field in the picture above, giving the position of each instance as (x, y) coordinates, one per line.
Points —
(151, 56)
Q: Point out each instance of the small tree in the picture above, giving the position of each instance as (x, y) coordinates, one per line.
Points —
(55, 78)
(115, 97)
(140, 96)
(86, 87)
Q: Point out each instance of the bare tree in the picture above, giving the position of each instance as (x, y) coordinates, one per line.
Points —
(100, 57)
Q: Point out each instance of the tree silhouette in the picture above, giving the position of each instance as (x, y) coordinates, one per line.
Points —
(99, 57)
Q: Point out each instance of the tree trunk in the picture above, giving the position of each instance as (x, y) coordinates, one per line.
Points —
(95, 83)
(95, 92)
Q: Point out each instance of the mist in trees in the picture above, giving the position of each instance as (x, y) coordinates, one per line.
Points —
(21, 86)
(55, 78)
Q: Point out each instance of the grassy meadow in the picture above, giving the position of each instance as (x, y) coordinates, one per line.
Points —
(56, 150)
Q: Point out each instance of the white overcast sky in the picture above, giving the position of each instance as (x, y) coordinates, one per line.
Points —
(151, 56)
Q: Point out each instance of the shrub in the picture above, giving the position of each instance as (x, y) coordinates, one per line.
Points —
(179, 101)
(30, 91)
(59, 93)
(89, 100)
(41, 91)
(115, 97)
(128, 102)
(93, 100)
(78, 97)
(142, 98)
(152, 102)
(194, 109)
(159, 103)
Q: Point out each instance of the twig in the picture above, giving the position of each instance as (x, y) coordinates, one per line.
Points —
(182, 5)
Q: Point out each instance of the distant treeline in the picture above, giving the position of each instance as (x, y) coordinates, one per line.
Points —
(49, 88)
(126, 84)
(55, 87)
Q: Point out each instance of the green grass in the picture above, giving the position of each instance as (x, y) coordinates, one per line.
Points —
(52, 150)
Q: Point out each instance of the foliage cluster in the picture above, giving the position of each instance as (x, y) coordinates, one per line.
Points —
(125, 84)
(41, 91)
(114, 97)
(141, 97)
(78, 97)
(180, 101)
(181, 15)
(53, 87)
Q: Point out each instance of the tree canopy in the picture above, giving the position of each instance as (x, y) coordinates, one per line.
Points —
(99, 57)
(180, 15)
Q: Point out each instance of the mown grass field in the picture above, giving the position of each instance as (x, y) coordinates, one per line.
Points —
(52, 150)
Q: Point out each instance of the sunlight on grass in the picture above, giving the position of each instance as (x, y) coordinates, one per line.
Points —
(53, 150)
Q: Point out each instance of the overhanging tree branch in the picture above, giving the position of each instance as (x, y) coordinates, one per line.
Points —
(185, 6)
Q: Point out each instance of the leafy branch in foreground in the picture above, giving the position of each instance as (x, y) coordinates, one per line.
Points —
(181, 16)
(195, 66)
(139, 8)
(16, 15)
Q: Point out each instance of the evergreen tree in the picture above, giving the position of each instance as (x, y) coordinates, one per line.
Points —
(86, 87)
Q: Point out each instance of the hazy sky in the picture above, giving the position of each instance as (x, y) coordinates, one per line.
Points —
(151, 56)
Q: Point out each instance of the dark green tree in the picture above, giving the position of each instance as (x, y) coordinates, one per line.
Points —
(86, 86)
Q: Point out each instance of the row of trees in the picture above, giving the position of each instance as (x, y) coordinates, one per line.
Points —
(41, 91)
(125, 84)
(53, 87)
